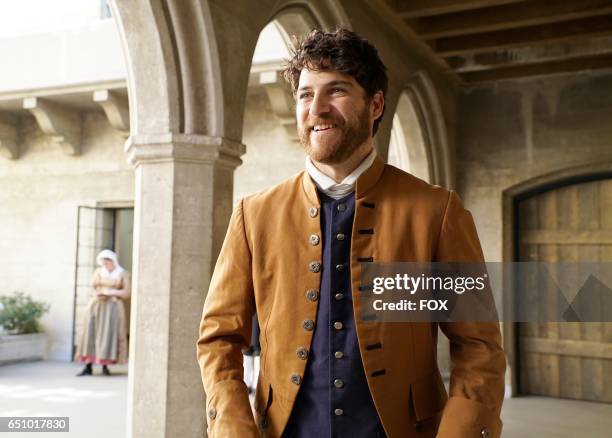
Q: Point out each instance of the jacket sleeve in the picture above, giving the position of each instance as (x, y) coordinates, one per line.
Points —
(224, 331)
(478, 361)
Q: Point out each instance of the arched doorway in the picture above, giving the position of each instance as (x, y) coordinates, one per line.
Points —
(561, 217)
(419, 141)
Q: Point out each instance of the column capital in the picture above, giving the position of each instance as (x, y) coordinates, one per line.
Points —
(191, 148)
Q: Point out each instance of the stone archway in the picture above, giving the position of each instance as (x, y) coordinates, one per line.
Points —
(184, 166)
(409, 149)
(421, 139)
(186, 97)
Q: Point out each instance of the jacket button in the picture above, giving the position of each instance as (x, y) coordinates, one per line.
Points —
(313, 211)
(339, 296)
(338, 383)
(341, 207)
(485, 432)
(314, 266)
(296, 379)
(340, 236)
(302, 353)
(338, 325)
(308, 324)
(338, 412)
(312, 294)
(212, 413)
(314, 239)
(338, 355)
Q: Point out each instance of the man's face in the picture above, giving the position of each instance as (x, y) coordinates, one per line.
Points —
(333, 114)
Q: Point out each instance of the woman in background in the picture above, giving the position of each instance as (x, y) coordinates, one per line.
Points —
(103, 340)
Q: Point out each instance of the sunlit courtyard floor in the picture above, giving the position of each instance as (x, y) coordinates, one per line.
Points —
(97, 405)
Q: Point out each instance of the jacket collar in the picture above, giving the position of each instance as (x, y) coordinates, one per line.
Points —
(364, 183)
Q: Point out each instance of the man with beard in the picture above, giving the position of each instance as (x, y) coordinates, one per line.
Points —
(293, 255)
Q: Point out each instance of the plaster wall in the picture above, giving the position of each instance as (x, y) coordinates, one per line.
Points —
(39, 196)
(515, 130)
(86, 54)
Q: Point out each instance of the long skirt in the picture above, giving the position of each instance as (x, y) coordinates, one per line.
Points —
(103, 339)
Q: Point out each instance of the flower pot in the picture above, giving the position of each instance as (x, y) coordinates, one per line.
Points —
(23, 348)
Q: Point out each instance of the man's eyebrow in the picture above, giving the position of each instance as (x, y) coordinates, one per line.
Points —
(339, 82)
(328, 84)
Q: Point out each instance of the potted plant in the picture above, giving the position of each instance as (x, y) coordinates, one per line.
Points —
(22, 339)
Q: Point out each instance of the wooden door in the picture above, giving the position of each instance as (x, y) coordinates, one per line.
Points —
(570, 360)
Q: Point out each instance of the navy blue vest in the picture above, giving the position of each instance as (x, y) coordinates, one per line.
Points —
(334, 399)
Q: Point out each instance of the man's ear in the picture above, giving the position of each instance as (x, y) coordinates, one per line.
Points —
(377, 105)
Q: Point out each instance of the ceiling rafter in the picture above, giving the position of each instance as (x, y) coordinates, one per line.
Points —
(529, 36)
(509, 16)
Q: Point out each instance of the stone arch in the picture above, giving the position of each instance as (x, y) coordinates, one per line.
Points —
(409, 149)
(168, 92)
(268, 115)
(299, 17)
(184, 160)
(419, 106)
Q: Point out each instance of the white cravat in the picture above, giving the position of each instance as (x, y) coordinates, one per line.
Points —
(338, 190)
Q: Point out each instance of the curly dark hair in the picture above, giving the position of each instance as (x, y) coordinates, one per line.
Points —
(344, 51)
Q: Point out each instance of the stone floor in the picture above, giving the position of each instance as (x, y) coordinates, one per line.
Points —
(96, 405)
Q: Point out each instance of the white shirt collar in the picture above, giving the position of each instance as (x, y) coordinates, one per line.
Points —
(338, 190)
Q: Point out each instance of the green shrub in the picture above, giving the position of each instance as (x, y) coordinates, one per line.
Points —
(19, 314)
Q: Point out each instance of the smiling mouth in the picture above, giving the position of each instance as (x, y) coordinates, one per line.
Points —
(321, 128)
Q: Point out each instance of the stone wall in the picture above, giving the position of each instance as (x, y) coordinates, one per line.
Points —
(516, 130)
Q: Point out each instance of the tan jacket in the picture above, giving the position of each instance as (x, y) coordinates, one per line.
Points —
(264, 266)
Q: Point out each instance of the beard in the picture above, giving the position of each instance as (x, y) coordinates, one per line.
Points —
(342, 144)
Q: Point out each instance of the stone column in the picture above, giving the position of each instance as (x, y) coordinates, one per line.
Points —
(184, 186)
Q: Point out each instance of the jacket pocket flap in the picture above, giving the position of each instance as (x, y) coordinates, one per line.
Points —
(428, 396)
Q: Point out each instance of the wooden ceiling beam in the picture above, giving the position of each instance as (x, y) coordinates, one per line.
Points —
(421, 8)
(539, 69)
(527, 36)
(530, 55)
(508, 16)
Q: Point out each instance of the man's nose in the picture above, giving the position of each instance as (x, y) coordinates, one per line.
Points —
(319, 105)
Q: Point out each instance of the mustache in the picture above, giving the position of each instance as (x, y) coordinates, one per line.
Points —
(311, 123)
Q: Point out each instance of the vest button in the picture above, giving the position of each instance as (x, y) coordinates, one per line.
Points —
(302, 353)
(339, 296)
(338, 325)
(212, 413)
(314, 266)
(312, 294)
(341, 207)
(338, 383)
(314, 240)
(296, 379)
(338, 355)
(308, 324)
(339, 267)
(340, 236)
(313, 211)
(338, 412)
